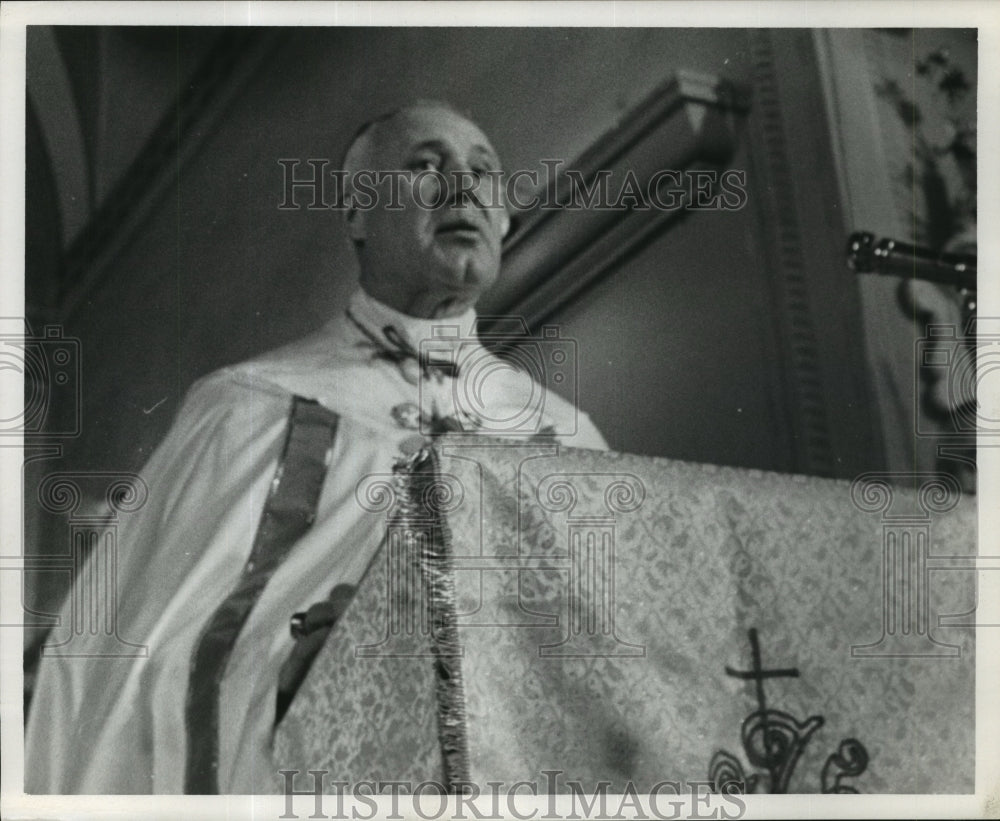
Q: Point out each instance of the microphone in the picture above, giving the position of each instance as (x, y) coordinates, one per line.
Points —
(866, 255)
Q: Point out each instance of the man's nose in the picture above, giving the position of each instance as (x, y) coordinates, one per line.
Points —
(463, 186)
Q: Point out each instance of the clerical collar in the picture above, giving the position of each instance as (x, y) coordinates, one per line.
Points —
(376, 316)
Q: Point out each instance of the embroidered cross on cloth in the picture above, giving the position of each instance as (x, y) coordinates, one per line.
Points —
(538, 609)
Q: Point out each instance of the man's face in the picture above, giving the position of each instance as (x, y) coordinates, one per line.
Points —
(443, 256)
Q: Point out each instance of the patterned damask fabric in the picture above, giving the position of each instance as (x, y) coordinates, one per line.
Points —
(607, 608)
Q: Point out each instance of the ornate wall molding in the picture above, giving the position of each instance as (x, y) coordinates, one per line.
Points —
(787, 262)
(691, 121)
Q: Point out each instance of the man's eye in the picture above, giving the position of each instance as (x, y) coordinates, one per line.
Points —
(425, 164)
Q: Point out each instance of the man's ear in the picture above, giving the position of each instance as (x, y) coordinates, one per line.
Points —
(357, 229)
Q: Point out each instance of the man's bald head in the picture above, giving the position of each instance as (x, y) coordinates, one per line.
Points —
(360, 150)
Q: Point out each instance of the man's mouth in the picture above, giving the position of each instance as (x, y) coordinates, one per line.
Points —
(460, 227)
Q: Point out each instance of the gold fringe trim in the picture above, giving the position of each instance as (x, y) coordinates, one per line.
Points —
(422, 494)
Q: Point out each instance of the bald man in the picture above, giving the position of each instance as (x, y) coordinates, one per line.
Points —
(255, 531)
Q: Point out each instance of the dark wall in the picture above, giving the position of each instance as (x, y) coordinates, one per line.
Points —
(679, 348)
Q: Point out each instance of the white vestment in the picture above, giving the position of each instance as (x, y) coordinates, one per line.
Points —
(113, 724)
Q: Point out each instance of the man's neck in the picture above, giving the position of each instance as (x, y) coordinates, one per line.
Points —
(375, 314)
(418, 304)
(432, 306)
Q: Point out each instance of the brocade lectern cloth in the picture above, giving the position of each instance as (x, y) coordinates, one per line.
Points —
(616, 618)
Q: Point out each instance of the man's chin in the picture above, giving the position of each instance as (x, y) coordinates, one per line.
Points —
(467, 268)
